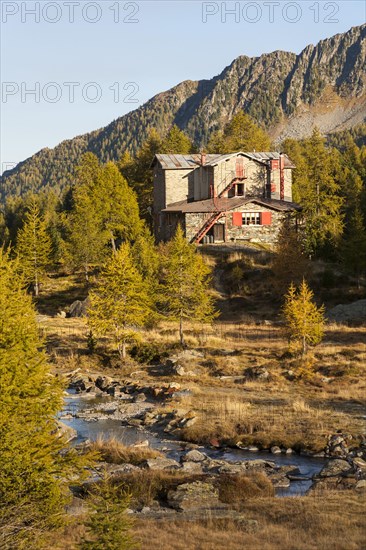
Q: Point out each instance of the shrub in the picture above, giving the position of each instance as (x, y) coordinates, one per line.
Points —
(146, 353)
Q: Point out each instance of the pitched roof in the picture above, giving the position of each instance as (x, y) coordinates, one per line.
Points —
(186, 162)
(226, 204)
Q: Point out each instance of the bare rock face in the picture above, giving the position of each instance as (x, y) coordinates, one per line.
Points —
(191, 496)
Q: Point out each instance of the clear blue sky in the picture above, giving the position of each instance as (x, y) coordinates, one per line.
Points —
(168, 42)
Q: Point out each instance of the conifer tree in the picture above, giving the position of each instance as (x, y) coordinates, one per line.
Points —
(33, 247)
(353, 249)
(316, 190)
(303, 319)
(32, 490)
(176, 142)
(117, 205)
(186, 281)
(290, 264)
(86, 239)
(121, 300)
(108, 526)
(146, 256)
(240, 134)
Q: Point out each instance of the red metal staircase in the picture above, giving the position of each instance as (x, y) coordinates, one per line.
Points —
(207, 226)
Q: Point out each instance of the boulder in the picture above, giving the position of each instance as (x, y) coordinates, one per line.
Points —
(345, 313)
(191, 496)
(66, 432)
(192, 467)
(194, 456)
(78, 308)
(275, 450)
(335, 467)
(162, 464)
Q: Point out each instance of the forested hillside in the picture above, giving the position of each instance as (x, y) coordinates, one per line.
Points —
(323, 86)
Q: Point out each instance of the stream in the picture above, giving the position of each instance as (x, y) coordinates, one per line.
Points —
(129, 435)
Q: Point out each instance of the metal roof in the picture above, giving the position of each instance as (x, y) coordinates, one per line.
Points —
(189, 162)
(225, 204)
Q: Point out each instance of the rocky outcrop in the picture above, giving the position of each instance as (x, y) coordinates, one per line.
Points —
(190, 496)
(348, 313)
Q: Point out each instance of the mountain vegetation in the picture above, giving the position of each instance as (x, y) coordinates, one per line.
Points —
(285, 93)
(35, 463)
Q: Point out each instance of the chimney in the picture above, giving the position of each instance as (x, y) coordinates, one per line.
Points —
(203, 158)
(282, 177)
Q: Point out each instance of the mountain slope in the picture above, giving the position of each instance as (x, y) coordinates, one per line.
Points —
(325, 85)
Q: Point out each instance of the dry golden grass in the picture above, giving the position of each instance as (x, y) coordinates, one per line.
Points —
(266, 421)
(113, 451)
(305, 523)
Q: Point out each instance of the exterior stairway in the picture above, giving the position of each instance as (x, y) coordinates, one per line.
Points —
(206, 227)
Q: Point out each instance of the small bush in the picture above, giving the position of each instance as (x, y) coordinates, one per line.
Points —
(146, 353)
(236, 489)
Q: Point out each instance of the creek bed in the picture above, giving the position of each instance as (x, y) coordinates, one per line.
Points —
(86, 429)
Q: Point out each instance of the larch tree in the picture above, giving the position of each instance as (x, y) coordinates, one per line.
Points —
(316, 189)
(34, 247)
(185, 284)
(86, 239)
(33, 486)
(304, 320)
(240, 134)
(176, 142)
(290, 263)
(353, 247)
(120, 302)
(117, 205)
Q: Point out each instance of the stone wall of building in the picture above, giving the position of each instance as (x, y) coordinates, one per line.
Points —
(266, 234)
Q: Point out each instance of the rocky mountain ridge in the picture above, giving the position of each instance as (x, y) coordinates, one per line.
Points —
(288, 94)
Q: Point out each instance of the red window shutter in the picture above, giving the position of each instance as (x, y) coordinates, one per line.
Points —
(266, 218)
(237, 218)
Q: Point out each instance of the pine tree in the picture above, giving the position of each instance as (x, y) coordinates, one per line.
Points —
(240, 134)
(108, 526)
(186, 280)
(34, 247)
(290, 264)
(121, 300)
(303, 319)
(32, 490)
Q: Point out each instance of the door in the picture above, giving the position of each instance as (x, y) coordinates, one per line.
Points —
(218, 231)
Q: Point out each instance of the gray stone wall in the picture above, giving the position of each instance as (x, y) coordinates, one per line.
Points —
(266, 234)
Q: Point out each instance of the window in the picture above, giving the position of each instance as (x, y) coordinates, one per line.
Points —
(251, 218)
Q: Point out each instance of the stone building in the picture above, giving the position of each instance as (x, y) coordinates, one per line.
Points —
(222, 198)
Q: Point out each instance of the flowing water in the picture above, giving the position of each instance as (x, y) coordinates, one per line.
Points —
(129, 435)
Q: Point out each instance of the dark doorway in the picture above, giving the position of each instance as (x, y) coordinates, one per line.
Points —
(218, 232)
